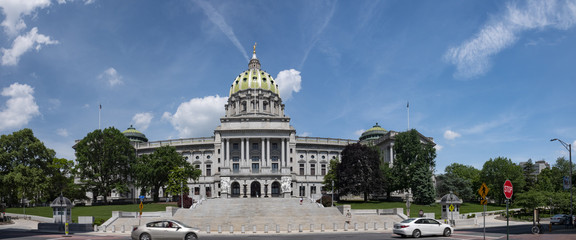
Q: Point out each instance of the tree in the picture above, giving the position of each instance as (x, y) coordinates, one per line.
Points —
(462, 180)
(461, 187)
(104, 162)
(414, 165)
(387, 179)
(532, 199)
(178, 179)
(496, 171)
(332, 176)
(529, 177)
(153, 170)
(23, 163)
(359, 171)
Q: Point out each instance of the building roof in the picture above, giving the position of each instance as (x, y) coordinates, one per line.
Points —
(373, 133)
(254, 78)
(134, 135)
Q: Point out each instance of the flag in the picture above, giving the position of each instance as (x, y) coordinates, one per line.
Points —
(100, 106)
(407, 104)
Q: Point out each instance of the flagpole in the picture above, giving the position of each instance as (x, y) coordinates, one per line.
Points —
(408, 108)
(99, 110)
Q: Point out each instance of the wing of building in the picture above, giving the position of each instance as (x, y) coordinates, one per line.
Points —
(255, 151)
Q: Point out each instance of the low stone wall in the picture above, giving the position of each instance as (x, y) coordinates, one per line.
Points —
(59, 227)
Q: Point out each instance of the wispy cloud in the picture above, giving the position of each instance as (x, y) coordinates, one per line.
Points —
(322, 14)
(111, 76)
(23, 44)
(62, 132)
(217, 18)
(472, 58)
(451, 135)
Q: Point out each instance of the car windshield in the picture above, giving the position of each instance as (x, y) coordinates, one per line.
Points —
(558, 215)
(409, 220)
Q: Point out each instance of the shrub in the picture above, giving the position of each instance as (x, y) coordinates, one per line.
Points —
(325, 200)
(187, 201)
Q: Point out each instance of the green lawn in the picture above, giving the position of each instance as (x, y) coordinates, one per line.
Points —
(414, 208)
(98, 212)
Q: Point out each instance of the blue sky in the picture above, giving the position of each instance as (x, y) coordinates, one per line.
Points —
(483, 78)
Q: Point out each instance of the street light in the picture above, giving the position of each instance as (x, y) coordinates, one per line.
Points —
(569, 148)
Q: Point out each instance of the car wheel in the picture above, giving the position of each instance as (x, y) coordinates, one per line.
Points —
(145, 236)
(416, 233)
(191, 236)
(447, 232)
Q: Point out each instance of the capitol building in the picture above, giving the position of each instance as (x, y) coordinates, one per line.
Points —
(255, 152)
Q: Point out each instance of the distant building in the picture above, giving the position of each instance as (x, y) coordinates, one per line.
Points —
(255, 152)
(537, 167)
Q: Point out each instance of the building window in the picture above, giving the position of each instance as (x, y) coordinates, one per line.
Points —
(197, 157)
(254, 146)
(218, 169)
(274, 146)
(235, 159)
(312, 169)
(290, 150)
(290, 159)
(274, 158)
(323, 169)
(196, 191)
(208, 157)
(218, 150)
(313, 190)
(274, 167)
(255, 167)
(255, 159)
(302, 156)
(235, 146)
(312, 156)
(301, 168)
(197, 166)
(208, 170)
(236, 167)
(218, 160)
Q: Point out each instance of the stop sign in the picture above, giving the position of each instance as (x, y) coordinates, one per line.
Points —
(508, 189)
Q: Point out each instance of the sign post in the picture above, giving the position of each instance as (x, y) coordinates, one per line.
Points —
(508, 191)
(141, 206)
(483, 191)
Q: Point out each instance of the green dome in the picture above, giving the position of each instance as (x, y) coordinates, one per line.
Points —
(134, 135)
(254, 78)
(373, 133)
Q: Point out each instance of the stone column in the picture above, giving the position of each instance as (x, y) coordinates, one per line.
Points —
(242, 151)
(282, 154)
(391, 154)
(268, 158)
(262, 156)
(227, 152)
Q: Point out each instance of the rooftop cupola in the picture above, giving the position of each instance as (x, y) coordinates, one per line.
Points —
(254, 62)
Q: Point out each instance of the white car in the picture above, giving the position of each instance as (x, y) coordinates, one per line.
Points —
(417, 227)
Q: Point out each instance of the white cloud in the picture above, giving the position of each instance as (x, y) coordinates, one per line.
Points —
(142, 120)
(86, 2)
(23, 44)
(62, 132)
(20, 107)
(197, 117)
(451, 135)
(14, 10)
(304, 134)
(359, 132)
(217, 18)
(472, 58)
(288, 81)
(483, 127)
(438, 147)
(111, 76)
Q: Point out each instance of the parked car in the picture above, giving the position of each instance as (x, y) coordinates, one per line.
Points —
(417, 227)
(560, 219)
(166, 229)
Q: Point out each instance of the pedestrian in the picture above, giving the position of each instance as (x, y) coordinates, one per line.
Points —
(348, 216)
(301, 199)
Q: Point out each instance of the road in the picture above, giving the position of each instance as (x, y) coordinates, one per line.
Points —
(517, 232)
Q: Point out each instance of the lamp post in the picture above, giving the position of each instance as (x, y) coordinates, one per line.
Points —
(569, 148)
(332, 193)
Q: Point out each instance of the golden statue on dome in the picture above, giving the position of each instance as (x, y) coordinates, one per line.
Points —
(255, 47)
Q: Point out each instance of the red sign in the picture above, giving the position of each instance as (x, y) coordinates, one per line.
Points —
(508, 189)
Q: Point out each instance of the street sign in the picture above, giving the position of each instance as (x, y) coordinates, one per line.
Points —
(566, 181)
(483, 191)
(142, 198)
(141, 207)
(451, 208)
(508, 189)
(483, 202)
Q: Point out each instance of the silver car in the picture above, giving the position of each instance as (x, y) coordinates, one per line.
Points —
(417, 227)
(166, 229)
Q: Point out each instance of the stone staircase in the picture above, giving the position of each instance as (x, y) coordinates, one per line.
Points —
(264, 215)
(259, 212)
